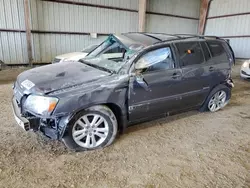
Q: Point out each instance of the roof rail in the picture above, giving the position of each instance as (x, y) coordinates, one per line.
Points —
(190, 36)
(152, 37)
(178, 36)
(200, 36)
(168, 40)
(172, 35)
(148, 33)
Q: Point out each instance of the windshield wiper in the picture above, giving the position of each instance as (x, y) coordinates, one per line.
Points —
(96, 66)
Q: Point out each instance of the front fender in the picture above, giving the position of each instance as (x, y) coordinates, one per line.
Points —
(76, 101)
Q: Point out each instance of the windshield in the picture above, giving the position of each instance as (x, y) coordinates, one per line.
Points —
(109, 46)
(110, 55)
(104, 64)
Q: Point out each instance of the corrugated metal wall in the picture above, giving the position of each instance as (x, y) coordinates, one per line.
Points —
(62, 27)
(223, 20)
(68, 25)
(13, 47)
(165, 20)
(51, 16)
(77, 18)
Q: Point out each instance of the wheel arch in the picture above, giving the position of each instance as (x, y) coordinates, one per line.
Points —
(216, 88)
(119, 113)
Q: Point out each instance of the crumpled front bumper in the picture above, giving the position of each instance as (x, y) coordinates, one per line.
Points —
(21, 121)
(37, 123)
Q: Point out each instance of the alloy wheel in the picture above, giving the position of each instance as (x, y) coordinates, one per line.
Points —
(90, 131)
(217, 101)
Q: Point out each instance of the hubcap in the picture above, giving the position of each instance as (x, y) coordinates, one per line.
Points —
(90, 130)
(218, 101)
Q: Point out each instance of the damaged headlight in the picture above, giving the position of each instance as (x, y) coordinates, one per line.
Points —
(40, 105)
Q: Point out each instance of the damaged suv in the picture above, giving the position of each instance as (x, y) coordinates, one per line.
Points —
(86, 103)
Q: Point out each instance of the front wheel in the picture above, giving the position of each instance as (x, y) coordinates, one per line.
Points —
(93, 128)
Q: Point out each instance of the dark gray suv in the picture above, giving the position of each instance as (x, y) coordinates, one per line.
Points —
(150, 75)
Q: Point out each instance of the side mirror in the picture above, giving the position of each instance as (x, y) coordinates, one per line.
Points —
(138, 77)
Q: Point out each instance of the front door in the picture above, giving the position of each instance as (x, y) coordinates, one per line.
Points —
(157, 88)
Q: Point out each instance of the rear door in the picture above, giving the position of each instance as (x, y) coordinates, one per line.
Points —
(194, 74)
(220, 64)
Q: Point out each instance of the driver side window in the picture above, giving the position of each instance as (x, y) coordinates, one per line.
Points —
(159, 59)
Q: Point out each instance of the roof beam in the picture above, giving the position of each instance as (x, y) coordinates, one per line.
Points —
(28, 30)
(142, 15)
(205, 4)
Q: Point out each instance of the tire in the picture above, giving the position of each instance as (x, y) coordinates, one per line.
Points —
(213, 94)
(97, 131)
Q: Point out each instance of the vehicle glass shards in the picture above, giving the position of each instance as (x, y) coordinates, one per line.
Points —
(103, 47)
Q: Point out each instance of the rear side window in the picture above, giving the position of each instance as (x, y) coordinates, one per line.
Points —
(205, 51)
(190, 53)
(217, 49)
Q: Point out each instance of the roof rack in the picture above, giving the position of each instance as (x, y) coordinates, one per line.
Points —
(172, 35)
(200, 36)
(178, 36)
(148, 34)
(189, 36)
(152, 36)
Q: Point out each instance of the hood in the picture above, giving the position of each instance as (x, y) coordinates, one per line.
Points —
(72, 56)
(58, 76)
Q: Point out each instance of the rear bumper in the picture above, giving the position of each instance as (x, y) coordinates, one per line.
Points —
(21, 121)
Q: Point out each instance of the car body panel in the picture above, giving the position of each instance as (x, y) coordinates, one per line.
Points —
(54, 77)
(163, 94)
(112, 89)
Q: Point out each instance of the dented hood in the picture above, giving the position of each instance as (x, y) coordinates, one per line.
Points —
(58, 76)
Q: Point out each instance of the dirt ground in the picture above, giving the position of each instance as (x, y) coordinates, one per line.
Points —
(187, 150)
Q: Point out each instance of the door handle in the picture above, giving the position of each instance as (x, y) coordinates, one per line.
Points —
(175, 75)
(211, 69)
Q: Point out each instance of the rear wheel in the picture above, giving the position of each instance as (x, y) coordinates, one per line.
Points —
(217, 99)
(91, 129)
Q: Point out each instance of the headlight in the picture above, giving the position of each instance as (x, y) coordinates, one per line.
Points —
(40, 105)
(245, 64)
